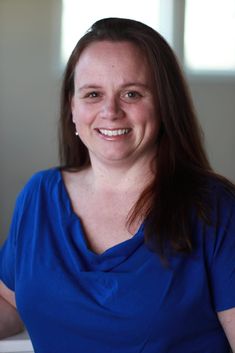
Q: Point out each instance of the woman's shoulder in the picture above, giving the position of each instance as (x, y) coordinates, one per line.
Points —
(42, 180)
(221, 198)
(222, 189)
(45, 177)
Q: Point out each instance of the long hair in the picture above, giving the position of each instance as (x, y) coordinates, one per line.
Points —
(181, 183)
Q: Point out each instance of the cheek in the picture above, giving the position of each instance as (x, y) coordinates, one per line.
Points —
(151, 123)
(81, 115)
(154, 119)
(148, 117)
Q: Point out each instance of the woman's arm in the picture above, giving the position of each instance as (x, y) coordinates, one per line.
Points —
(227, 320)
(10, 322)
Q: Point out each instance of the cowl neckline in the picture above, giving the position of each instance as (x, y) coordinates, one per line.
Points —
(111, 257)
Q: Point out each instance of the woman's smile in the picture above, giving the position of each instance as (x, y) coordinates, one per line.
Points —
(113, 134)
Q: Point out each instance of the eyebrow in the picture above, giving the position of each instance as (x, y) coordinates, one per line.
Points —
(128, 84)
(138, 84)
(89, 86)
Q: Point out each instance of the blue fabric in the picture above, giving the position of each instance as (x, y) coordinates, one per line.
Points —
(124, 300)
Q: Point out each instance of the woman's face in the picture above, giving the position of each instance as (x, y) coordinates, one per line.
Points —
(113, 106)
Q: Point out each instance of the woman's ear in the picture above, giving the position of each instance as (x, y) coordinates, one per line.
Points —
(72, 107)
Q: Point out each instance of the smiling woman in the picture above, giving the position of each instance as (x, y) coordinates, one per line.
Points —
(134, 226)
(113, 107)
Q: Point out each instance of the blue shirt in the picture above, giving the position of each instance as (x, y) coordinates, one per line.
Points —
(123, 300)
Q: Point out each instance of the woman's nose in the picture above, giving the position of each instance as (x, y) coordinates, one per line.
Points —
(112, 109)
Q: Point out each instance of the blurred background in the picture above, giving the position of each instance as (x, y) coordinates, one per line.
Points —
(36, 38)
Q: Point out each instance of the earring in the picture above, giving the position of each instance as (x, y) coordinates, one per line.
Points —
(76, 133)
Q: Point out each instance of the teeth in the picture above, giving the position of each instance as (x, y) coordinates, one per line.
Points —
(113, 132)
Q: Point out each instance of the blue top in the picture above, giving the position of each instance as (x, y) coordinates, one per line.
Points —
(123, 300)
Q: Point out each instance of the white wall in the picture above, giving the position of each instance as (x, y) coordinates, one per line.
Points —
(29, 95)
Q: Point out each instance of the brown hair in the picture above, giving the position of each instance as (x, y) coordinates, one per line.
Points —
(181, 183)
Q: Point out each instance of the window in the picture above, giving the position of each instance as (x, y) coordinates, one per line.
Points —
(201, 32)
(77, 17)
(209, 39)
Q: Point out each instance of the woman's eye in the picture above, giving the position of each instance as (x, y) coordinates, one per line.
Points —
(92, 95)
(132, 94)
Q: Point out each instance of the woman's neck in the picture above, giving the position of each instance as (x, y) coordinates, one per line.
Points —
(120, 177)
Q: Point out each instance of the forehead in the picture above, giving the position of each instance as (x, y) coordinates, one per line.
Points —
(112, 45)
(119, 55)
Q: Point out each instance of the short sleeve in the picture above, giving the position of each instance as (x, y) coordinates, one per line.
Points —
(222, 267)
(11, 253)
(8, 250)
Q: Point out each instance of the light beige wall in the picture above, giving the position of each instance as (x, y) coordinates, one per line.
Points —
(29, 81)
(29, 92)
(214, 99)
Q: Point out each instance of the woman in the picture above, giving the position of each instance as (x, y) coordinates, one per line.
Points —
(129, 246)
